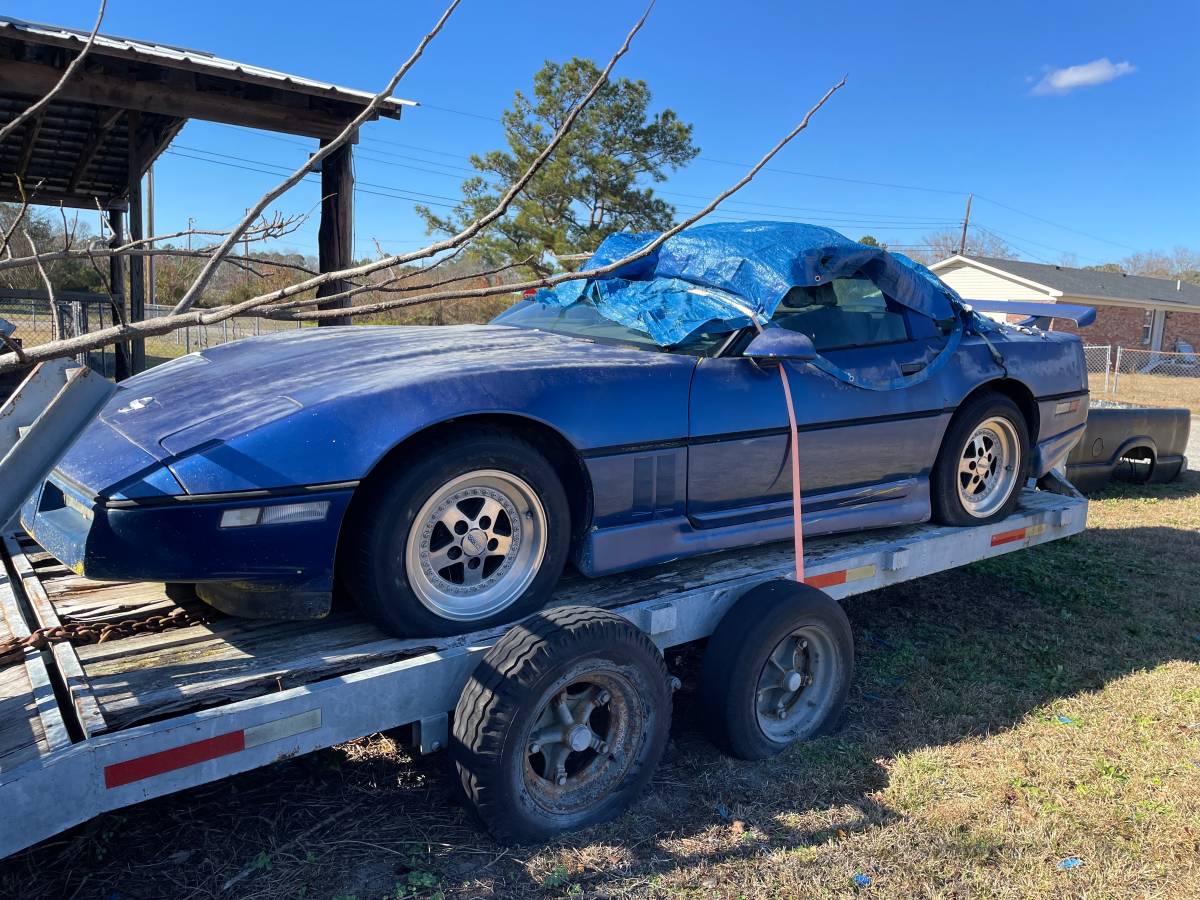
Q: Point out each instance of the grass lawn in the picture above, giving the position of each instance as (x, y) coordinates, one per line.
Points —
(1150, 390)
(1033, 709)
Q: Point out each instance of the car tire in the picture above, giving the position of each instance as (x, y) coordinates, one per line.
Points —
(983, 462)
(488, 506)
(562, 724)
(752, 713)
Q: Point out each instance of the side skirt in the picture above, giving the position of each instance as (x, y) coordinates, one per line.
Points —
(618, 549)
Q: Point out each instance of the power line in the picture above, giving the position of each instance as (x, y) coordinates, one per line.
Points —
(725, 162)
(459, 112)
(863, 218)
(1042, 259)
(1056, 224)
(358, 190)
(1019, 238)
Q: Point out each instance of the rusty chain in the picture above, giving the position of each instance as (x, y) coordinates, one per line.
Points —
(84, 632)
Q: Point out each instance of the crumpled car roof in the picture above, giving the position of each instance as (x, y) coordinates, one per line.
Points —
(721, 274)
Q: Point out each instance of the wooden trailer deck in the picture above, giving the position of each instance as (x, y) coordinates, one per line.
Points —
(154, 675)
(97, 727)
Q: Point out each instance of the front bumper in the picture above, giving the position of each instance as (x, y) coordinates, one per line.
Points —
(180, 539)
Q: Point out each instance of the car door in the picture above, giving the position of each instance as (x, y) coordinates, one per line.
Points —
(858, 447)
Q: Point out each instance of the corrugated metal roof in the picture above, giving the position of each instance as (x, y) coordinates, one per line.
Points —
(183, 58)
(1099, 284)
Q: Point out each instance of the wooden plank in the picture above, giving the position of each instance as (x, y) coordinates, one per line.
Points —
(32, 129)
(21, 736)
(87, 710)
(30, 722)
(105, 120)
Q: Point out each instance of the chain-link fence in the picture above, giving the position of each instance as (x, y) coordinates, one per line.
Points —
(1157, 377)
(1098, 358)
(80, 314)
(201, 337)
(76, 313)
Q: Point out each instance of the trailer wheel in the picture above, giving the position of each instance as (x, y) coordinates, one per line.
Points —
(562, 724)
(776, 670)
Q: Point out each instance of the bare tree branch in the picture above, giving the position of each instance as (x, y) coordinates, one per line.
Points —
(5, 240)
(210, 269)
(471, 230)
(167, 324)
(55, 325)
(552, 280)
(277, 227)
(66, 76)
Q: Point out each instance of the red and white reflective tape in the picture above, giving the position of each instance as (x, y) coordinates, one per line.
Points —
(141, 767)
(1017, 534)
(840, 576)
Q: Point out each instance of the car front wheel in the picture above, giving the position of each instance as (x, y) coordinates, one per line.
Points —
(471, 533)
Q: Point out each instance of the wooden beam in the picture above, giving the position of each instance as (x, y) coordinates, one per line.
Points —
(49, 197)
(122, 368)
(335, 238)
(178, 97)
(137, 264)
(105, 120)
(31, 135)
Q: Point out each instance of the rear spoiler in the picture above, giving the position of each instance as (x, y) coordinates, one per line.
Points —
(1039, 313)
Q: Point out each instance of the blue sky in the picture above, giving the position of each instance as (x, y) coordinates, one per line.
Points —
(1077, 125)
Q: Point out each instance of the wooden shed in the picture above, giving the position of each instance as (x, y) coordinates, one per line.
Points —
(91, 146)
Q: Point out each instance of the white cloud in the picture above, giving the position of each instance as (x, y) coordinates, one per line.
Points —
(1098, 71)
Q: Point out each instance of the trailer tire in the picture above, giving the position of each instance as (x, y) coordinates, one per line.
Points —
(782, 648)
(562, 723)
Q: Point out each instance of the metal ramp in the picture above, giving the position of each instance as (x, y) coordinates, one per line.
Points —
(40, 422)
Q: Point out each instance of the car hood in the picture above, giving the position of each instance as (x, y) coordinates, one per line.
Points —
(229, 390)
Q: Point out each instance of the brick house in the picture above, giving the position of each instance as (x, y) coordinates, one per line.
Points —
(1131, 310)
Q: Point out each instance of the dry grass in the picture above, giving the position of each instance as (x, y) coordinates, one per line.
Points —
(1151, 390)
(1005, 717)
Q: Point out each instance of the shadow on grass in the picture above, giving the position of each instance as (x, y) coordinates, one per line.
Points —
(949, 657)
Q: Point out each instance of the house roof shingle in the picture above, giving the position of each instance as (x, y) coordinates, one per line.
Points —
(1104, 285)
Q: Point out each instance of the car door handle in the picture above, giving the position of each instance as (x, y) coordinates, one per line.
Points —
(911, 368)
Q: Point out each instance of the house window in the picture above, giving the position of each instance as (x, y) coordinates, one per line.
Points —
(1147, 327)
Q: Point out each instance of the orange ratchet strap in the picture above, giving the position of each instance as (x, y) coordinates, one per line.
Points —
(794, 452)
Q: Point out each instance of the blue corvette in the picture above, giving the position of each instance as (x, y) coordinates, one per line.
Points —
(443, 477)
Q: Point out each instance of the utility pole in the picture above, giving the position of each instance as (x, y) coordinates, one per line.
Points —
(191, 225)
(962, 241)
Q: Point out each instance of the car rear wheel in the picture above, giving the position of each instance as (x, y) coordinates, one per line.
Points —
(983, 462)
(471, 533)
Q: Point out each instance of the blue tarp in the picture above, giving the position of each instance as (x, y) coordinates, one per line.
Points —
(721, 274)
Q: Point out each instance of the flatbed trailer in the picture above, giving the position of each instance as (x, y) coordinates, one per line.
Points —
(158, 707)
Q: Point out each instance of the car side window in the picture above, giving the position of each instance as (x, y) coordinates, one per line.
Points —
(845, 312)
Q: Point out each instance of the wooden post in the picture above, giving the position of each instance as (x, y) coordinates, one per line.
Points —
(137, 264)
(116, 283)
(335, 239)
